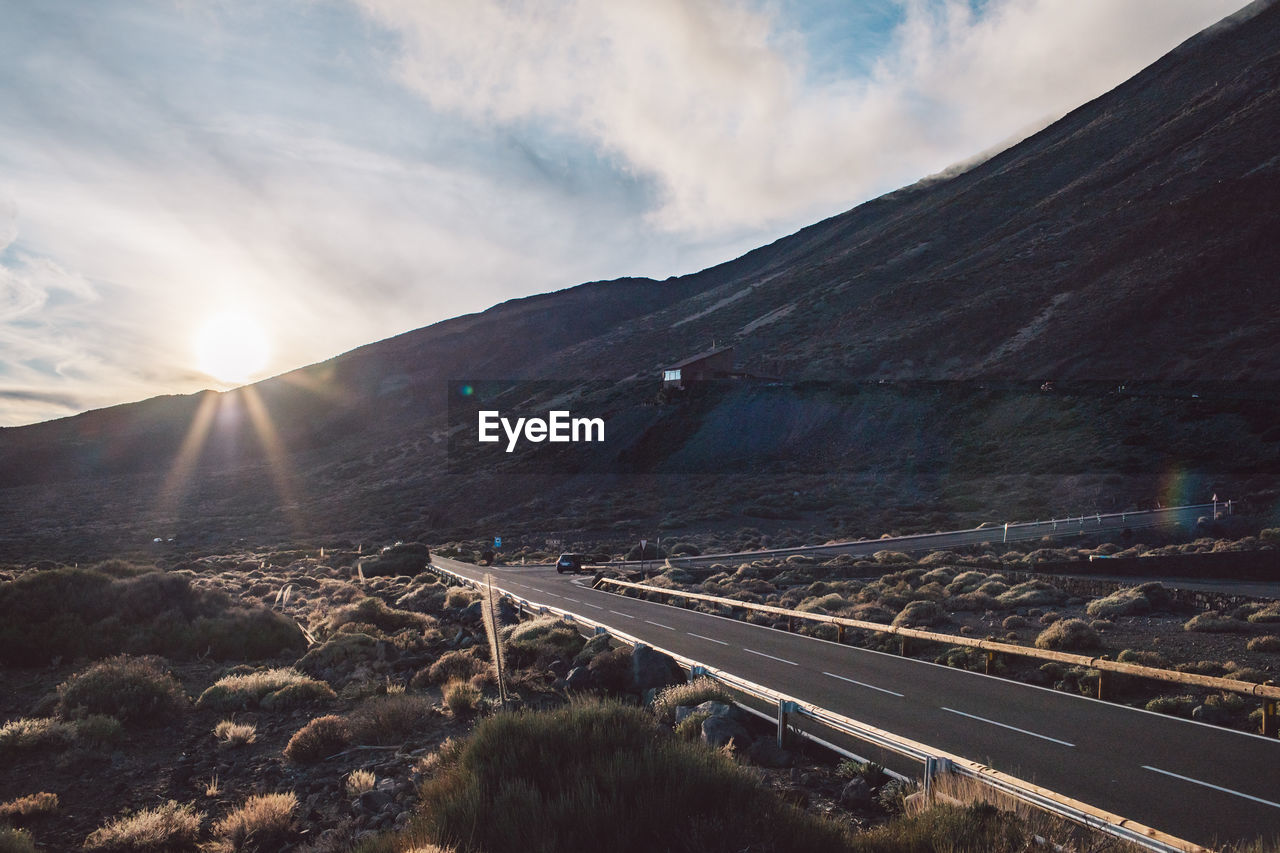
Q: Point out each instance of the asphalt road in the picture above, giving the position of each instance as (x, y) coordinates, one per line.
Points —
(1198, 782)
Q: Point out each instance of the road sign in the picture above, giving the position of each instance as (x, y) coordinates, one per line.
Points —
(497, 541)
(643, 542)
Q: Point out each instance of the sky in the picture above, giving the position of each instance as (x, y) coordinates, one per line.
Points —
(199, 193)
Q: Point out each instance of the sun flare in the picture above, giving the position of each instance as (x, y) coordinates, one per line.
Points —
(232, 347)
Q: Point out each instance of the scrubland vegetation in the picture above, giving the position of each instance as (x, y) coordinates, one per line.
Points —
(335, 713)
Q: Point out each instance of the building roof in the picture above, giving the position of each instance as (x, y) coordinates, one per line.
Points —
(699, 357)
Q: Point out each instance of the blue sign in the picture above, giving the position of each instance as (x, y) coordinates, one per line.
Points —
(497, 541)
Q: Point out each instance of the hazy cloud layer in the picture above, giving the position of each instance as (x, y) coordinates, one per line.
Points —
(715, 102)
(350, 169)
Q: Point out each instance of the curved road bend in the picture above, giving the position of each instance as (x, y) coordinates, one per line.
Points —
(1194, 781)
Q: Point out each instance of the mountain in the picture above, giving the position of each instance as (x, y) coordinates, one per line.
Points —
(1132, 243)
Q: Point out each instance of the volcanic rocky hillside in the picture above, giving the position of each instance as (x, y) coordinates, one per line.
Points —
(1134, 242)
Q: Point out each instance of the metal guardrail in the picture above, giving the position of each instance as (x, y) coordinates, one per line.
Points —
(935, 761)
(1008, 532)
(1270, 693)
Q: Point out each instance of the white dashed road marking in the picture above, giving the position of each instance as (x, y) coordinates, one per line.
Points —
(1007, 726)
(863, 684)
(770, 657)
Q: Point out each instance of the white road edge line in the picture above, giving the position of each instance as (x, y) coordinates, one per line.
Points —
(1214, 787)
(770, 657)
(659, 624)
(708, 639)
(863, 684)
(628, 615)
(1007, 726)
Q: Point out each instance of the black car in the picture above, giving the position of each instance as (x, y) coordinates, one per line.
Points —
(569, 563)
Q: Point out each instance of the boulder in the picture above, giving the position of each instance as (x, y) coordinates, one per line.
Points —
(856, 794)
(719, 730)
(766, 753)
(653, 670)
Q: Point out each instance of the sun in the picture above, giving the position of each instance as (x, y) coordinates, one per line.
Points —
(232, 347)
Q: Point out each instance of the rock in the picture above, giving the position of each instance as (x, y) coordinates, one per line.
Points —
(722, 709)
(653, 670)
(717, 731)
(766, 753)
(856, 794)
(1208, 714)
(375, 801)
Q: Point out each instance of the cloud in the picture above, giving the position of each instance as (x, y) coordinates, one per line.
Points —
(716, 102)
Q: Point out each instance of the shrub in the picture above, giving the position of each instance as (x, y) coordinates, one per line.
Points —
(272, 689)
(172, 826)
(232, 734)
(264, 822)
(339, 651)
(460, 597)
(830, 603)
(1030, 594)
(594, 776)
(690, 728)
(372, 611)
(23, 809)
(1068, 635)
(1143, 658)
(611, 670)
(1269, 643)
(73, 613)
(1268, 614)
(133, 690)
(461, 698)
(1131, 601)
(690, 695)
(407, 558)
(318, 739)
(16, 841)
(453, 665)
(1178, 706)
(920, 613)
(1211, 621)
(546, 636)
(31, 733)
(389, 719)
(1012, 623)
(98, 730)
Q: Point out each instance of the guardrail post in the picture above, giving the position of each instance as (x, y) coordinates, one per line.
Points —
(600, 629)
(697, 671)
(1104, 684)
(839, 633)
(784, 709)
(903, 647)
(934, 766)
(991, 663)
(1270, 717)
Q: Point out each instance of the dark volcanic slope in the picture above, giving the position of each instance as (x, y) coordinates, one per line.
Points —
(1138, 237)
(1135, 239)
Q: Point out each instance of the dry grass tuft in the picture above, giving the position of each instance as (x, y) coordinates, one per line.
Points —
(461, 698)
(233, 734)
(360, 781)
(272, 689)
(264, 822)
(22, 809)
(29, 733)
(694, 693)
(172, 826)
